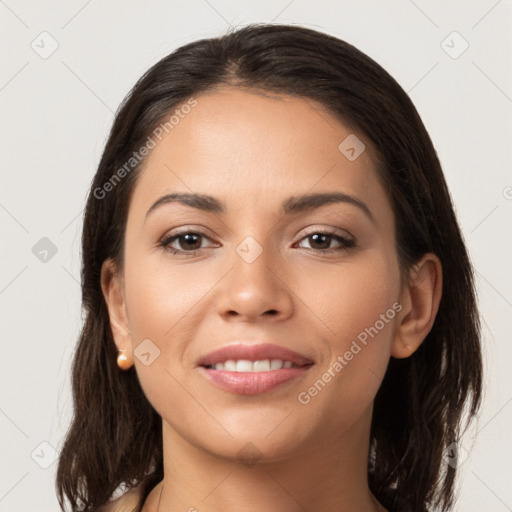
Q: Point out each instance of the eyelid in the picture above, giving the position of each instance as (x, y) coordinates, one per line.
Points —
(329, 230)
(189, 228)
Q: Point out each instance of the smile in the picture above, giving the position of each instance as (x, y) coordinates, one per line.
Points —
(252, 368)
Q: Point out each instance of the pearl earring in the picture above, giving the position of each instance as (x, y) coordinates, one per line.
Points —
(122, 360)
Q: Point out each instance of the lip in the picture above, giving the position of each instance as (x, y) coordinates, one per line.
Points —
(252, 383)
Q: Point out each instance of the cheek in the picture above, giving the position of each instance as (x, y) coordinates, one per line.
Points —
(160, 295)
(162, 305)
(352, 297)
(358, 308)
(166, 304)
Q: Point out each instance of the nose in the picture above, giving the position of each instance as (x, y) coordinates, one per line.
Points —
(255, 290)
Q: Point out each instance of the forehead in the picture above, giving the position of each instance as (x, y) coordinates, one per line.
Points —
(246, 148)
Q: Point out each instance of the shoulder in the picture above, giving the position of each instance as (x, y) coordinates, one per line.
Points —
(128, 502)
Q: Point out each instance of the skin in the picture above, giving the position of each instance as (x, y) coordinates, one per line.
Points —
(252, 152)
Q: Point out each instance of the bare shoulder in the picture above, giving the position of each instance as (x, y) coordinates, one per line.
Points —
(128, 502)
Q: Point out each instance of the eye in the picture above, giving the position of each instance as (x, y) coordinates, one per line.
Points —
(324, 239)
(190, 242)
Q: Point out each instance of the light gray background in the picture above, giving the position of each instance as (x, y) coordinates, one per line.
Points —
(55, 116)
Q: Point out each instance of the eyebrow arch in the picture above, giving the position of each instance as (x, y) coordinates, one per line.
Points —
(293, 204)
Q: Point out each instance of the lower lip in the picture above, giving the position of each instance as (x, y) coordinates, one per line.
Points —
(252, 383)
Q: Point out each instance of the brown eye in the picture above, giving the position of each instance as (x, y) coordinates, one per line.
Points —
(187, 242)
(321, 241)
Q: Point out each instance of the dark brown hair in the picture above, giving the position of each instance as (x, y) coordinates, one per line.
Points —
(115, 436)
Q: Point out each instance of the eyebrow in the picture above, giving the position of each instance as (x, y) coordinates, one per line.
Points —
(293, 204)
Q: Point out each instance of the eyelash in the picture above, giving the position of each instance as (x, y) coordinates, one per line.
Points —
(347, 244)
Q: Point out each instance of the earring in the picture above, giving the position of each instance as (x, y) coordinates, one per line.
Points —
(122, 360)
(407, 347)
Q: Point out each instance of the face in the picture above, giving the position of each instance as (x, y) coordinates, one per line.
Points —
(257, 262)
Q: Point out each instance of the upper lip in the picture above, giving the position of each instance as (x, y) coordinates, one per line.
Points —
(253, 352)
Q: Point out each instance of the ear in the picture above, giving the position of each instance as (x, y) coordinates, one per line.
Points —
(112, 286)
(420, 299)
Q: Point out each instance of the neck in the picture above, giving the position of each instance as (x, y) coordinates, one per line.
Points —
(324, 476)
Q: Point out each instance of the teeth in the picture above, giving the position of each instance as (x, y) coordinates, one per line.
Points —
(276, 364)
(230, 366)
(243, 365)
(261, 366)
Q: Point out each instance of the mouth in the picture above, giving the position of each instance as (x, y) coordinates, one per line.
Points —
(253, 369)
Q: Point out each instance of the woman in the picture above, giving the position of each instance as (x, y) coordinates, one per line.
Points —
(280, 308)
